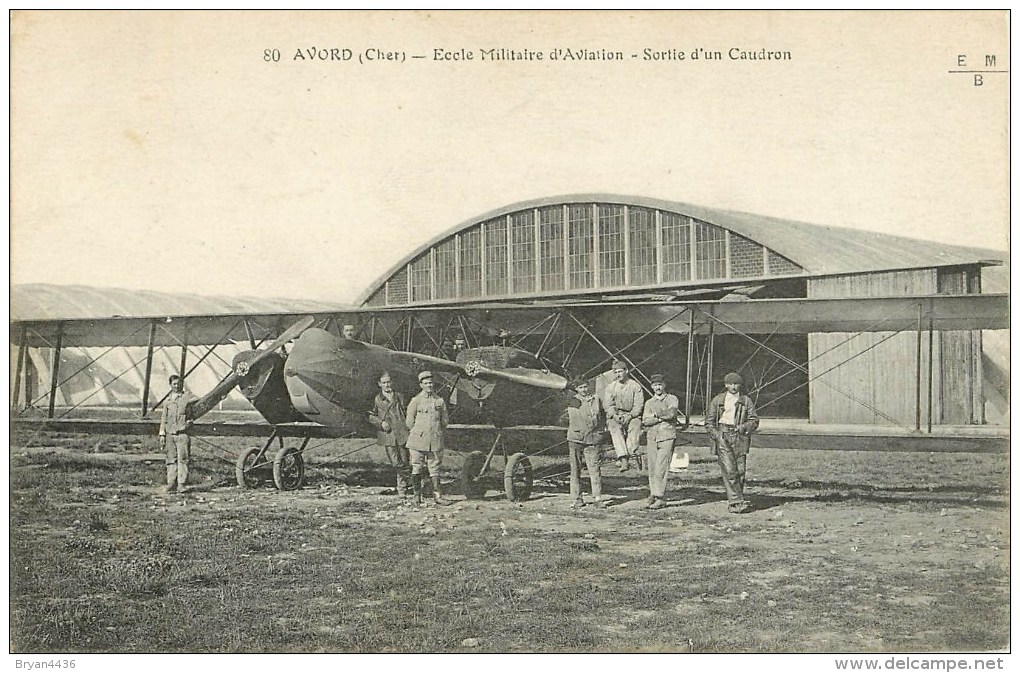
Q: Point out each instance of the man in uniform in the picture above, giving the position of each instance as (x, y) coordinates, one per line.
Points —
(624, 401)
(427, 418)
(388, 416)
(659, 420)
(173, 434)
(730, 419)
(348, 332)
(586, 425)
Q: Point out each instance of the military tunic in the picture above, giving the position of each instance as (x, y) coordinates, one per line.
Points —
(427, 418)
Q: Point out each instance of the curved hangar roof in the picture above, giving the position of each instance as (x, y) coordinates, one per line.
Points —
(597, 243)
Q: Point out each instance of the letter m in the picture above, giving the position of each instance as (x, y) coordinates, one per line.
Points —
(989, 60)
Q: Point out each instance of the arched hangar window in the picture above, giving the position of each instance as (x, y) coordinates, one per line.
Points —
(579, 248)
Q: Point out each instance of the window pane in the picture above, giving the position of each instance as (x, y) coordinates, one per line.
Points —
(643, 252)
(421, 279)
(495, 257)
(446, 269)
(522, 233)
(581, 246)
(471, 263)
(676, 247)
(611, 260)
(710, 253)
(551, 248)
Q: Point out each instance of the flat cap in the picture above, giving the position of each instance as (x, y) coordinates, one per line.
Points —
(424, 376)
(577, 383)
(733, 377)
(657, 378)
(619, 364)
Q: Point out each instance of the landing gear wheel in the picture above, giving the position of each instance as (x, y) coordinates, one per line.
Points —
(517, 478)
(289, 469)
(470, 475)
(248, 471)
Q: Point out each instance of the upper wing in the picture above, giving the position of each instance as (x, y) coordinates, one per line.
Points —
(42, 315)
(84, 316)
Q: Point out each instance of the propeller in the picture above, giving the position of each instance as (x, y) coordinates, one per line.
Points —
(241, 369)
(528, 377)
(535, 378)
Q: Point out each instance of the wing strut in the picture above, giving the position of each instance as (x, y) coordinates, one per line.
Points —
(148, 368)
(804, 368)
(250, 334)
(184, 353)
(55, 369)
(208, 352)
(22, 351)
(690, 357)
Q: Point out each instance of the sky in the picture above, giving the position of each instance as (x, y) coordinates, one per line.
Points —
(169, 151)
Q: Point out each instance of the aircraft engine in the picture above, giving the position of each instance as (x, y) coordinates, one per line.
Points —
(264, 386)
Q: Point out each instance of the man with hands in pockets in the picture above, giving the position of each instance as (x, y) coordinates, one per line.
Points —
(731, 419)
(659, 421)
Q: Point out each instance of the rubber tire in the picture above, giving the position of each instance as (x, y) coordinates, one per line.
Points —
(289, 469)
(518, 490)
(247, 473)
(470, 485)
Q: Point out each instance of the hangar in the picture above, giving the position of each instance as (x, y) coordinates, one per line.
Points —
(578, 278)
(605, 247)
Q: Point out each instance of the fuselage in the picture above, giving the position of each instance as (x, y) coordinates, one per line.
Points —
(332, 381)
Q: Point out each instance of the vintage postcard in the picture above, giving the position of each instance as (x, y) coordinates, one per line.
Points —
(510, 331)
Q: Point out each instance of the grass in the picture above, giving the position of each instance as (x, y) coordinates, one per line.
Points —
(101, 562)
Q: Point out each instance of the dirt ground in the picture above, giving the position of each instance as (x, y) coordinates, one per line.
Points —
(844, 551)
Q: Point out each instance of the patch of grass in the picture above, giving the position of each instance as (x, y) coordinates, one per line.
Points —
(315, 570)
(97, 522)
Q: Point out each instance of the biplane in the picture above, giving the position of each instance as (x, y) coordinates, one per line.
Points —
(325, 379)
(307, 380)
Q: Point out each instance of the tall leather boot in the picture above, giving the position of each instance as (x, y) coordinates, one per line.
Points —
(436, 495)
(416, 485)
